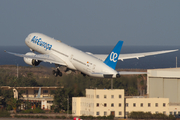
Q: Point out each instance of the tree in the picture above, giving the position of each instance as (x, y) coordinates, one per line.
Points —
(5, 95)
(14, 103)
(60, 100)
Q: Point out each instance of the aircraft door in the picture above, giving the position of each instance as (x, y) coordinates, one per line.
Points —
(93, 69)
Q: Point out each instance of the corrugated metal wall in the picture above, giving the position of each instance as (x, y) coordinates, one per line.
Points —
(156, 87)
(165, 88)
(170, 90)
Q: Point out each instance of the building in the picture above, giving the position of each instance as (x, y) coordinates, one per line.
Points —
(104, 102)
(163, 96)
(38, 96)
(99, 102)
(152, 105)
(165, 83)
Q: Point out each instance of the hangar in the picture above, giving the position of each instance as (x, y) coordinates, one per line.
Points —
(164, 83)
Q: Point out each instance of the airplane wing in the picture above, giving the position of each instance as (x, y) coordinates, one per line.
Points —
(42, 57)
(131, 55)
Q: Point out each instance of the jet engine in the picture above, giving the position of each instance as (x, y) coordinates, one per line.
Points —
(30, 61)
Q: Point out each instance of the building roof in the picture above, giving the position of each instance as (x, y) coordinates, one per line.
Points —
(166, 72)
(166, 69)
(8, 87)
(38, 99)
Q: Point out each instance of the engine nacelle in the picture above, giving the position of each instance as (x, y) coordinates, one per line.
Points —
(30, 61)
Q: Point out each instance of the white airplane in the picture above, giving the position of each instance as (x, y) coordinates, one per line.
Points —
(95, 65)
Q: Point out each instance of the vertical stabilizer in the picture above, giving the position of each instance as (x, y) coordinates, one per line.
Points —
(39, 93)
(112, 58)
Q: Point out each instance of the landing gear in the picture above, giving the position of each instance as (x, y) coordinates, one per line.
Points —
(57, 72)
(83, 74)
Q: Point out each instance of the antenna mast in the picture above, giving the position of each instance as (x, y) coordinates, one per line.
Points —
(176, 61)
(17, 71)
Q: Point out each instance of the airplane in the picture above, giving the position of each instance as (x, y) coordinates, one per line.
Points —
(94, 65)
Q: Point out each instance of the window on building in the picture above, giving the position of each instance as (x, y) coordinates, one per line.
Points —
(156, 104)
(23, 91)
(178, 112)
(49, 101)
(157, 112)
(164, 112)
(164, 104)
(97, 113)
(127, 104)
(45, 91)
(35, 91)
(104, 96)
(119, 96)
(112, 104)
(97, 105)
(26, 91)
(149, 104)
(105, 104)
(134, 104)
(141, 104)
(170, 113)
(119, 104)
(105, 113)
(120, 113)
(97, 96)
(112, 96)
(127, 113)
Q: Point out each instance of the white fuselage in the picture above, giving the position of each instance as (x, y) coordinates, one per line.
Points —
(74, 58)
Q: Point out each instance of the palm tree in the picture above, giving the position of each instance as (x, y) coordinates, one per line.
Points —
(14, 103)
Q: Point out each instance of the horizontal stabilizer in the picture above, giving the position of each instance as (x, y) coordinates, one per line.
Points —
(106, 75)
(131, 73)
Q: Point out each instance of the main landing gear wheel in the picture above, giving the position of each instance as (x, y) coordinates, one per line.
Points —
(56, 73)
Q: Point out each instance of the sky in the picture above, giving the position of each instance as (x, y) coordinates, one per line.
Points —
(92, 22)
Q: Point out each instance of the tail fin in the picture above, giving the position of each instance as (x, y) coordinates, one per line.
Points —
(39, 93)
(112, 59)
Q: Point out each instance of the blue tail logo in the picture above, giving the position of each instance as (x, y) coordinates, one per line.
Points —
(112, 58)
